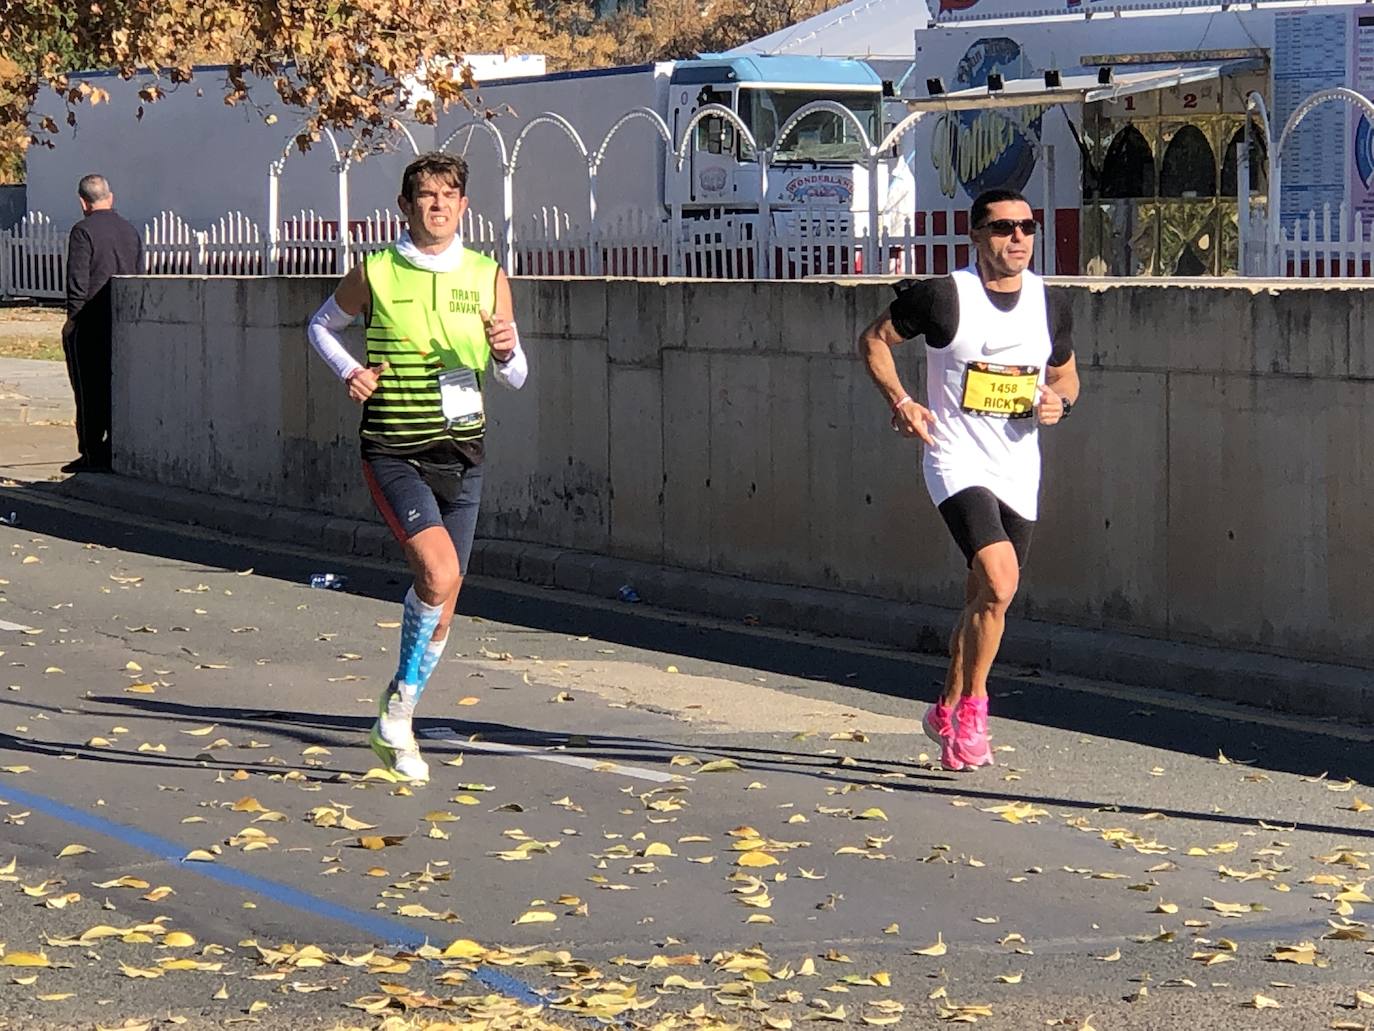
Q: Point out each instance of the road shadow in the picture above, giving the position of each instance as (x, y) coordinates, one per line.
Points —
(348, 735)
(1018, 694)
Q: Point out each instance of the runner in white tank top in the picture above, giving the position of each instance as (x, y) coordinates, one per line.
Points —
(999, 365)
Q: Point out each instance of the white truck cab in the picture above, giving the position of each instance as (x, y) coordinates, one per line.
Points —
(823, 161)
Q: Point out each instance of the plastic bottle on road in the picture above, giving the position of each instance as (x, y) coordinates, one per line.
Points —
(328, 581)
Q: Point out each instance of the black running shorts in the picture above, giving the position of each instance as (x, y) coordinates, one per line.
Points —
(977, 517)
(413, 495)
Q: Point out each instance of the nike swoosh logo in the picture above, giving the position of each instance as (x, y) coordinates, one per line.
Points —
(989, 351)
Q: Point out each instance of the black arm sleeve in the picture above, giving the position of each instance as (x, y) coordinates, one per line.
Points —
(1061, 326)
(928, 308)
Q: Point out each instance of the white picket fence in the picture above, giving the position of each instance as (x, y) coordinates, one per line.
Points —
(819, 242)
(548, 243)
(33, 258)
(1335, 244)
(33, 254)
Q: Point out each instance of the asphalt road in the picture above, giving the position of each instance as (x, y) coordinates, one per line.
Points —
(711, 824)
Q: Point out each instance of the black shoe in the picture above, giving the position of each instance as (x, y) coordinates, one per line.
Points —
(77, 465)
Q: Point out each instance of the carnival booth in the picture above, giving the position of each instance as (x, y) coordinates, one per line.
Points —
(1127, 119)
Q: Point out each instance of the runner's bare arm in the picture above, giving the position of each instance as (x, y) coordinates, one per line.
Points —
(1061, 384)
(352, 294)
(875, 347)
(1063, 379)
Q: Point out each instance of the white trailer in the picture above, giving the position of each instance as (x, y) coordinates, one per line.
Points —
(822, 163)
(192, 154)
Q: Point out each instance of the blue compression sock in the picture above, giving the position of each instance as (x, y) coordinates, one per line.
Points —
(433, 651)
(417, 627)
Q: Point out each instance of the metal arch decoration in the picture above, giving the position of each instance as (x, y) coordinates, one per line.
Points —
(1255, 105)
(1254, 101)
(594, 167)
(507, 183)
(762, 242)
(547, 118)
(279, 165)
(707, 111)
(901, 129)
(870, 164)
(832, 106)
(341, 162)
(274, 173)
(481, 123)
(400, 126)
(647, 114)
(1343, 94)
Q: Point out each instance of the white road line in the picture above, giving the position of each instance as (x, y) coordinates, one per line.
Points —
(442, 735)
(7, 625)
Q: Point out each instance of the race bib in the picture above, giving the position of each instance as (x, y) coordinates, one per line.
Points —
(460, 396)
(1001, 391)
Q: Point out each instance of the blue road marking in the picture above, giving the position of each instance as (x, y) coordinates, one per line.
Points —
(379, 927)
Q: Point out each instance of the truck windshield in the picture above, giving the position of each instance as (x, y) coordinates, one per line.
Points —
(821, 136)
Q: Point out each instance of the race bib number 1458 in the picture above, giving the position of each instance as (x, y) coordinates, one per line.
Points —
(1001, 391)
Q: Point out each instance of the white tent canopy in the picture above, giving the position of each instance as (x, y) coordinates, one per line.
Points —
(866, 30)
(1083, 87)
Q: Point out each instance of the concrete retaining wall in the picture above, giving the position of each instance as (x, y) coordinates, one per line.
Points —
(1213, 487)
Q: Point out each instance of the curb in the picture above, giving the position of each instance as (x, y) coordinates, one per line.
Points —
(1267, 681)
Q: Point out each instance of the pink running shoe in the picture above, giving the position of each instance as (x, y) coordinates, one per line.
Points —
(938, 724)
(971, 733)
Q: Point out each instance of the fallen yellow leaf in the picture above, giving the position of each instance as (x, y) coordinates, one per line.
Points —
(938, 949)
(719, 766)
(756, 859)
(24, 959)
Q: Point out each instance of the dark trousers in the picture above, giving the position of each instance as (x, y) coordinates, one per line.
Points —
(86, 347)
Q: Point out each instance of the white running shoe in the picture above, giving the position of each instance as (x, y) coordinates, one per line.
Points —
(393, 739)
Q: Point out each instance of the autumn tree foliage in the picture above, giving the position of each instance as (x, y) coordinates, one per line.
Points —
(659, 30)
(347, 65)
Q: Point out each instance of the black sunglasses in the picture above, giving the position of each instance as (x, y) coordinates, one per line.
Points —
(1007, 226)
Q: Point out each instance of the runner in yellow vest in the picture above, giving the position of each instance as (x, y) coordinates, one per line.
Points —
(437, 315)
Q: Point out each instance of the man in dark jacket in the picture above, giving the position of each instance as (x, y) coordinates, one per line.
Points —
(101, 245)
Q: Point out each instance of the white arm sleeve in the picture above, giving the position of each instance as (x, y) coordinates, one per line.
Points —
(512, 373)
(323, 331)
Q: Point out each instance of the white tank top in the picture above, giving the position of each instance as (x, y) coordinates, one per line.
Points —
(981, 388)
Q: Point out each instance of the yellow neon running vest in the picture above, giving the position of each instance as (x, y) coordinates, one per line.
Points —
(422, 324)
